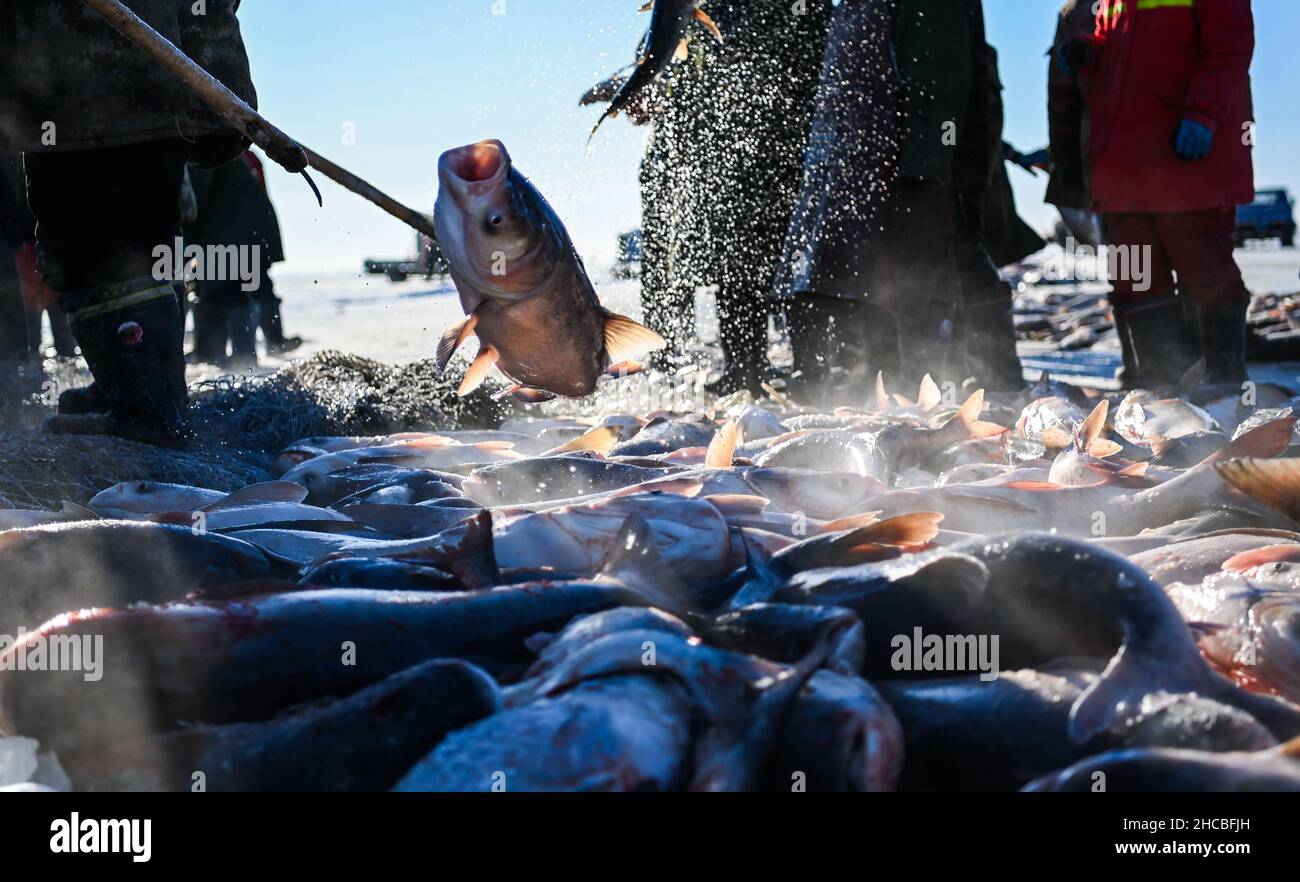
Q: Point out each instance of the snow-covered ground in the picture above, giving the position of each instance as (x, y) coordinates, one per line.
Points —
(400, 322)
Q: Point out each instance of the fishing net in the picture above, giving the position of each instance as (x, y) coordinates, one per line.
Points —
(240, 423)
(333, 393)
(43, 471)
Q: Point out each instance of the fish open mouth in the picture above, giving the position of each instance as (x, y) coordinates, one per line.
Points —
(478, 162)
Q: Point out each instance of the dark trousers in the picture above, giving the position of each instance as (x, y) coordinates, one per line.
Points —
(13, 320)
(101, 213)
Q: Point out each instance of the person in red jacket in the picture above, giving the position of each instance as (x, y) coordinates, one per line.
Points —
(1172, 132)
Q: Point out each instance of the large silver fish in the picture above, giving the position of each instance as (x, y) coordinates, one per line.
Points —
(524, 289)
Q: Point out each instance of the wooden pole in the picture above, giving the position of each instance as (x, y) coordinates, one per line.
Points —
(278, 146)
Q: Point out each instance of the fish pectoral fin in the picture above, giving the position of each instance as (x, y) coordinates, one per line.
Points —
(532, 395)
(738, 504)
(479, 370)
(1259, 556)
(915, 528)
(703, 18)
(882, 397)
(1103, 448)
(453, 337)
(682, 52)
(722, 449)
(72, 511)
(625, 339)
(1136, 470)
(627, 368)
(270, 491)
(929, 397)
(601, 440)
(647, 6)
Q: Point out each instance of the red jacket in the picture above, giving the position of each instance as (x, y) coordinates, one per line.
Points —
(1155, 63)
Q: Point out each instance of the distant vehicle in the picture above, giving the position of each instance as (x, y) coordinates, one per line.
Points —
(628, 265)
(428, 262)
(1270, 216)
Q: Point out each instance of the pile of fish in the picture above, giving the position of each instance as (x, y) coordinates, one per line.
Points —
(920, 594)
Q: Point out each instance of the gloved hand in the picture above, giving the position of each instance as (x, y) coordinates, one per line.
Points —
(1072, 56)
(1039, 159)
(1194, 140)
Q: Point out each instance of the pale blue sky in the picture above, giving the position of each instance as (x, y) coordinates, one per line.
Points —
(415, 77)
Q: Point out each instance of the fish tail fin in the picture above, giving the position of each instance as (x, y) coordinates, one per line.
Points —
(969, 416)
(1290, 749)
(634, 560)
(1116, 697)
(1261, 442)
(1274, 482)
(1088, 438)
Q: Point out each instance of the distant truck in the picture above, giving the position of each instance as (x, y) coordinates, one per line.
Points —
(628, 265)
(1270, 216)
(428, 262)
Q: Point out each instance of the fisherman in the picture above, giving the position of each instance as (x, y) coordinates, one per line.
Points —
(1167, 175)
(897, 137)
(721, 175)
(989, 234)
(269, 318)
(104, 159)
(233, 210)
(1070, 186)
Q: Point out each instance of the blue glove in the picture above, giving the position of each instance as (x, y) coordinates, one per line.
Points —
(1194, 140)
(1071, 56)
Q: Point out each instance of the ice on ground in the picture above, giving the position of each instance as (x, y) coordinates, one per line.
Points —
(17, 760)
(24, 769)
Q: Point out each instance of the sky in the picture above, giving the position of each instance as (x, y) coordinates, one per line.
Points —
(383, 87)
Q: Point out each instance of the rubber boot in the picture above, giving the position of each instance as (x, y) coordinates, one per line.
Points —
(988, 334)
(241, 325)
(1223, 337)
(272, 325)
(210, 331)
(131, 336)
(1157, 342)
(925, 342)
(742, 331)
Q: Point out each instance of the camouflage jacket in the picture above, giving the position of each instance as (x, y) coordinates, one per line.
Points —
(68, 81)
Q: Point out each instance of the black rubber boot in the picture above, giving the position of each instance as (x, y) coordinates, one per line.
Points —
(1157, 343)
(988, 335)
(78, 402)
(925, 343)
(131, 337)
(1223, 337)
(742, 331)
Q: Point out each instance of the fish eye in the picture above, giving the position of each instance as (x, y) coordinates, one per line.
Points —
(493, 222)
(142, 487)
